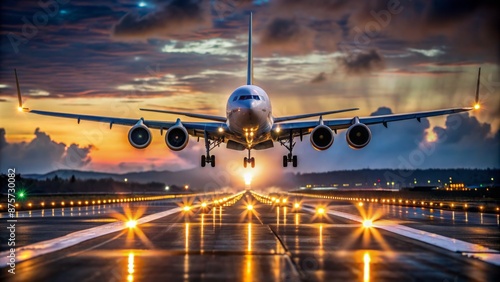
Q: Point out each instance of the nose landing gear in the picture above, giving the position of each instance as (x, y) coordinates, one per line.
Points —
(249, 160)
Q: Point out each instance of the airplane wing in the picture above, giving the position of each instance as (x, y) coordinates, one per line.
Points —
(287, 118)
(193, 128)
(303, 128)
(187, 114)
(196, 129)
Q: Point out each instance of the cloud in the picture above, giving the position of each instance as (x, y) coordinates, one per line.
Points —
(319, 78)
(361, 63)
(176, 17)
(286, 36)
(42, 154)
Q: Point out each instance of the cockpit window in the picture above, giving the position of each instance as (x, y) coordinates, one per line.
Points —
(248, 97)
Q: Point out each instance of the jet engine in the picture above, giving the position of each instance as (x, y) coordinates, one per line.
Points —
(177, 137)
(321, 137)
(139, 135)
(358, 136)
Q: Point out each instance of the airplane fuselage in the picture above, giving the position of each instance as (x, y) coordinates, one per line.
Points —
(249, 114)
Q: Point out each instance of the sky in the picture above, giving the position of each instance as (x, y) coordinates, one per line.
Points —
(112, 57)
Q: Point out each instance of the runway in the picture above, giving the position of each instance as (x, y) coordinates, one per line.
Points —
(267, 243)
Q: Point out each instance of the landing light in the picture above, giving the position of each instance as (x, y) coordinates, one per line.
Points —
(249, 207)
(477, 106)
(186, 208)
(221, 129)
(296, 205)
(321, 211)
(203, 205)
(367, 223)
(131, 223)
(20, 109)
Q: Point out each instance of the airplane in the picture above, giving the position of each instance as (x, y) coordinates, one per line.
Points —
(249, 123)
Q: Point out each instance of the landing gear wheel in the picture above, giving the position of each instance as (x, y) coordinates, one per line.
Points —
(289, 144)
(252, 162)
(212, 161)
(203, 161)
(245, 162)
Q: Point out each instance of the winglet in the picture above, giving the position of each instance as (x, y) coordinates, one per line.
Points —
(20, 106)
(476, 102)
(19, 98)
(250, 56)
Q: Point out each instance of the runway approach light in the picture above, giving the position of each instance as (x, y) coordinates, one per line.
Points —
(204, 205)
(250, 207)
(320, 211)
(131, 223)
(367, 223)
(186, 208)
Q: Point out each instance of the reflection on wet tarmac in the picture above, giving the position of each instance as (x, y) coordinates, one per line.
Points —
(202, 233)
(366, 269)
(186, 254)
(249, 238)
(130, 267)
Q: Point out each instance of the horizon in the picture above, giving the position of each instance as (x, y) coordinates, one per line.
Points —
(113, 57)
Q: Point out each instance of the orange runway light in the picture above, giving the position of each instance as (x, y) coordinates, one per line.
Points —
(367, 223)
(131, 223)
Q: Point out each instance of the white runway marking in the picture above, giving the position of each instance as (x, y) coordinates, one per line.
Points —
(49, 246)
(451, 244)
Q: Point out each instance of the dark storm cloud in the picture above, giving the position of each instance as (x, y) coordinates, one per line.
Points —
(464, 141)
(319, 78)
(362, 62)
(42, 154)
(176, 17)
(285, 35)
(457, 125)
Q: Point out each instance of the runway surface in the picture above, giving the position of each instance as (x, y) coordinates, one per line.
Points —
(268, 243)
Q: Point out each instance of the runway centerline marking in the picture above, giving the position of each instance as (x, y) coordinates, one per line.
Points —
(56, 244)
(468, 249)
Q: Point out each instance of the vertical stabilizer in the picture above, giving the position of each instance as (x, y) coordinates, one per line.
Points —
(250, 57)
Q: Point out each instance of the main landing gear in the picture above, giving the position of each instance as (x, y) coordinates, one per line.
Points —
(210, 145)
(249, 160)
(289, 158)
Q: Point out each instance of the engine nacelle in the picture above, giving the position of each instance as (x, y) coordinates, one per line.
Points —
(139, 135)
(358, 136)
(177, 137)
(321, 137)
